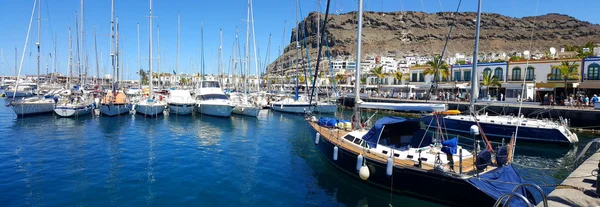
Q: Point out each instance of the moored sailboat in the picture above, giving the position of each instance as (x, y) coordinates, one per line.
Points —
(398, 155)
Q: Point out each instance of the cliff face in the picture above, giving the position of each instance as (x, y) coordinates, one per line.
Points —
(419, 33)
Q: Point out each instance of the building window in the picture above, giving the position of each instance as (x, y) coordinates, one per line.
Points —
(593, 72)
(467, 75)
(421, 77)
(498, 73)
(487, 71)
(414, 77)
(516, 74)
(530, 73)
(457, 76)
(555, 74)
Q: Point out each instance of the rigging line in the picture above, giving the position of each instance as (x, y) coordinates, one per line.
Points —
(330, 66)
(305, 63)
(49, 21)
(523, 87)
(25, 48)
(427, 28)
(319, 51)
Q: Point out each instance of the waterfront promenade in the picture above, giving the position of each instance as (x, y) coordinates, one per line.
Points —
(579, 116)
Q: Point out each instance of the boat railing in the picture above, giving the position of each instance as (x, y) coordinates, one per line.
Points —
(509, 196)
(585, 149)
(544, 198)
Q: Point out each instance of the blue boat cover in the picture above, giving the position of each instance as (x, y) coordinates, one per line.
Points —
(372, 137)
(501, 181)
(450, 146)
(327, 122)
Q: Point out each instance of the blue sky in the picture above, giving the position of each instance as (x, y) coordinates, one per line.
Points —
(59, 15)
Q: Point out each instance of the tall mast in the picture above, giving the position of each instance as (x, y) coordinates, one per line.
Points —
(202, 51)
(2, 77)
(246, 63)
(357, 100)
(54, 59)
(83, 44)
(297, 47)
(267, 61)
(220, 75)
(158, 58)
(70, 72)
(236, 54)
(150, 52)
(112, 43)
(117, 58)
(96, 54)
(39, 22)
(474, 81)
(139, 62)
(16, 71)
(255, 53)
(78, 49)
(178, 36)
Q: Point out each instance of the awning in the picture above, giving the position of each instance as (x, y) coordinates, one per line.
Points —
(392, 123)
(544, 89)
(590, 85)
(550, 85)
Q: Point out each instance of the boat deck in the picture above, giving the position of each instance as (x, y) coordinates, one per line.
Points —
(583, 179)
(335, 136)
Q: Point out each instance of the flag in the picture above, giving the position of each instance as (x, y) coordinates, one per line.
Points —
(174, 73)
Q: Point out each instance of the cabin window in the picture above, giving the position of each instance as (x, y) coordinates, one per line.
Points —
(210, 84)
(357, 141)
(213, 96)
(349, 138)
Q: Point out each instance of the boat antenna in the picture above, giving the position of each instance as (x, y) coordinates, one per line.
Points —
(357, 100)
(322, 36)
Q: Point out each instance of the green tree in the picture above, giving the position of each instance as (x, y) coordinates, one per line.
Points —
(301, 79)
(516, 58)
(339, 78)
(144, 76)
(363, 80)
(490, 80)
(498, 61)
(437, 65)
(568, 71)
(461, 62)
(378, 71)
(185, 81)
(399, 76)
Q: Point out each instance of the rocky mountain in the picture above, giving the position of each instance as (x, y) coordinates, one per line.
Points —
(418, 33)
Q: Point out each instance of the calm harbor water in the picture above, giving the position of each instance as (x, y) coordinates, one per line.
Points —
(195, 161)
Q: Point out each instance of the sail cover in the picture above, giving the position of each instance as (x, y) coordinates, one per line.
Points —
(501, 181)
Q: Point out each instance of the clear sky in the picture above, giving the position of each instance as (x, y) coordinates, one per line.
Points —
(59, 15)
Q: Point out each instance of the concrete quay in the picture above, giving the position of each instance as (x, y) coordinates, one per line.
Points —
(585, 118)
(579, 189)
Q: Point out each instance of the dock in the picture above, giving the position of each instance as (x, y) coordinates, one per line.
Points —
(579, 189)
(578, 117)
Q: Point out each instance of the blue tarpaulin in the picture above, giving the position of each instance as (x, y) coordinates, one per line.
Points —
(450, 146)
(501, 181)
(372, 137)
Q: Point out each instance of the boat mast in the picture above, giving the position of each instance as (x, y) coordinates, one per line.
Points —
(474, 81)
(178, 36)
(267, 62)
(54, 59)
(96, 54)
(83, 43)
(220, 75)
(2, 77)
(158, 54)
(246, 52)
(202, 53)
(112, 43)
(139, 68)
(357, 100)
(150, 52)
(297, 47)
(117, 58)
(39, 22)
(254, 43)
(70, 72)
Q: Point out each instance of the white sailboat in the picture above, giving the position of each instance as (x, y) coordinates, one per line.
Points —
(115, 101)
(74, 106)
(151, 105)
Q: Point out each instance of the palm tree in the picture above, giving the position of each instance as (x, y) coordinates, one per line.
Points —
(490, 80)
(339, 78)
(439, 66)
(567, 71)
(378, 71)
(363, 80)
(399, 76)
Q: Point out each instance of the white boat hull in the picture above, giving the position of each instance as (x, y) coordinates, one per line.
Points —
(326, 108)
(24, 109)
(247, 110)
(409, 107)
(150, 109)
(72, 111)
(114, 110)
(222, 110)
(181, 109)
(18, 94)
(291, 108)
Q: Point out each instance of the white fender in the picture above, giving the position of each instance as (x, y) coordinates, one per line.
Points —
(335, 153)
